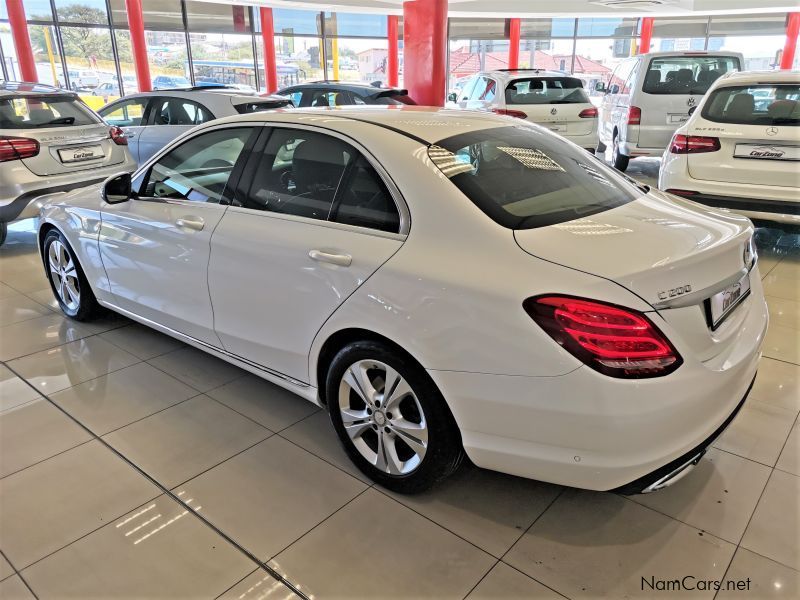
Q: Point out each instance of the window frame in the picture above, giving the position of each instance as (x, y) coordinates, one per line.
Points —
(256, 154)
(148, 102)
(142, 175)
(155, 100)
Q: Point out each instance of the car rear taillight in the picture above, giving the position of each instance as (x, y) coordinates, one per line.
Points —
(15, 148)
(588, 113)
(510, 112)
(616, 341)
(118, 136)
(634, 115)
(693, 144)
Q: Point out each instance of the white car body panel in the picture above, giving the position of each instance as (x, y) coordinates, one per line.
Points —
(451, 296)
(721, 174)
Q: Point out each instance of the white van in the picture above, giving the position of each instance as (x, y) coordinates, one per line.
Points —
(649, 96)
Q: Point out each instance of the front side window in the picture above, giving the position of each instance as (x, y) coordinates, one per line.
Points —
(125, 114)
(760, 104)
(523, 178)
(44, 111)
(177, 111)
(546, 90)
(198, 170)
(686, 74)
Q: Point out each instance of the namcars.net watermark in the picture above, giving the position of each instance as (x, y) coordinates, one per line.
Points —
(689, 583)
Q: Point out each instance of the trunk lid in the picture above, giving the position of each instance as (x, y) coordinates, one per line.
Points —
(559, 118)
(67, 149)
(672, 253)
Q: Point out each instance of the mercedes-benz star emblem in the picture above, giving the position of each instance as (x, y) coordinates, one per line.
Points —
(553, 111)
(772, 131)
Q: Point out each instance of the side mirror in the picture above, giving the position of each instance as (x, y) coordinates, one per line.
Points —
(117, 188)
(614, 89)
(600, 87)
(453, 97)
(691, 110)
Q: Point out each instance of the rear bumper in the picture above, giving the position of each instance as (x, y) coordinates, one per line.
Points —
(634, 151)
(588, 141)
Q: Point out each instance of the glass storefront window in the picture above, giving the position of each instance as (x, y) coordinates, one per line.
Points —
(90, 60)
(217, 18)
(82, 11)
(294, 22)
(355, 25)
(158, 14)
(361, 59)
(9, 53)
(35, 10)
(45, 53)
(547, 28)
(602, 27)
(479, 29)
(595, 59)
(760, 52)
(223, 58)
(297, 60)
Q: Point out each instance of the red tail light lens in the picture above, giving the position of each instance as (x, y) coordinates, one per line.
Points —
(588, 113)
(118, 136)
(693, 144)
(616, 341)
(510, 113)
(634, 115)
(14, 148)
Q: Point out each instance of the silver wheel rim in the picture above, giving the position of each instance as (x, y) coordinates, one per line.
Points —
(64, 275)
(383, 417)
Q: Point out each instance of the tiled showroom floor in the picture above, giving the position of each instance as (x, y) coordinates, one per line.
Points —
(255, 475)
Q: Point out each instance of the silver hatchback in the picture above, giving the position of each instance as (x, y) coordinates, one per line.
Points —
(51, 143)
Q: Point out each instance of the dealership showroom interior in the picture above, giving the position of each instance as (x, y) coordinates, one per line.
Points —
(363, 299)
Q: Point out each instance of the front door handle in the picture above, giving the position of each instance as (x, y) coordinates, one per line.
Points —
(195, 223)
(343, 260)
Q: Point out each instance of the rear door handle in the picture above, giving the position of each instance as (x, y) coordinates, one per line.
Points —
(343, 260)
(195, 223)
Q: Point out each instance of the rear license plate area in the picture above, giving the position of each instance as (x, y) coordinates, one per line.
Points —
(766, 152)
(723, 303)
(679, 118)
(80, 154)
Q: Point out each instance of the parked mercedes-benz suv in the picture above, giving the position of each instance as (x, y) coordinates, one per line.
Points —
(50, 143)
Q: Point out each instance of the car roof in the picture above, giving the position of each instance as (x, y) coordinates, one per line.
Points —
(11, 89)
(744, 77)
(211, 93)
(691, 53)
(508, 74)
(365, 89)
(424, 124)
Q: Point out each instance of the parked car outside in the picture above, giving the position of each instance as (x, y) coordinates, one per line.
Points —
(50, 143)
(550, 98)
(647, 97)
(83, 79)
(168, 82)
(150, 120)
(340, 93)
(600, 335)
(740, 148)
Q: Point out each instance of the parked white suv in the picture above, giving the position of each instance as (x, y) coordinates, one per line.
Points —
(739, 150)
(550, 98)
(649, 96)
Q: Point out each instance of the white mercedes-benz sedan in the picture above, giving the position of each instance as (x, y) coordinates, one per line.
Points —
(445, 283)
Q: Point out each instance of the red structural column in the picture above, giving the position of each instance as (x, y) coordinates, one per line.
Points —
(789, 48)
(513, 43)
(646, 36)
(138, 44)
(392, 60)
(268, 36)
(425, 50)
(22, 43)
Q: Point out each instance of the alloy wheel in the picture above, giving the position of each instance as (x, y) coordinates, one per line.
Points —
(64, 275)
(383, 417)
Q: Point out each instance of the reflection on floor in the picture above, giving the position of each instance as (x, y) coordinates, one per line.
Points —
(256, 478)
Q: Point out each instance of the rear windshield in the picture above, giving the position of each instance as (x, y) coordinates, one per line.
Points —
(546, 90)
(41, 111)
(525, 178)
(686, 74)
(759, 104)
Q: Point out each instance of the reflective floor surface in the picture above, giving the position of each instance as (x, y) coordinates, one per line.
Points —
(134, 466)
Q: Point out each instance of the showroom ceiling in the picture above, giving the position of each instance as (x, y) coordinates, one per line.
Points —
(544, 8)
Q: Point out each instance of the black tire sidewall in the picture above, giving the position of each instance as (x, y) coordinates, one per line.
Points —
(619, 159)
(444, 452)
(87, 304)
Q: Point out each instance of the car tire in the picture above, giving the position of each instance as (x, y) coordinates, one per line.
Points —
(406, 442)
(601, 148)
(67, 279)
(619, 160)
(3, 232)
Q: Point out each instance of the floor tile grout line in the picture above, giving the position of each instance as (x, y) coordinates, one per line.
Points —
(216, 387)
(132, 322)
(8, 360)
(235, 583)
(484, 576)
(536, 580)
(179, 402)
(18, 574)
(38, 462)
(249, 418)
(788, 362)
(274, 573)
(325, 460)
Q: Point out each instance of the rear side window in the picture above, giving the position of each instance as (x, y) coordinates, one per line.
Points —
(546, 90)
(524, 178)
(686, 74)
(177, 111)
(43, 111)
(125, 114)
(364, 200)
(755, 105)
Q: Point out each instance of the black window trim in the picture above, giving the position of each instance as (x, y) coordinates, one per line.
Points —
(253, 162)
(143, 173)
(151, 114)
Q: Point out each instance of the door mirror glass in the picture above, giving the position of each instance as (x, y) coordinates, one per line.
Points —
(452, 97)
(117, 188)
(600, 87)
(614, 89)
(691, 110)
